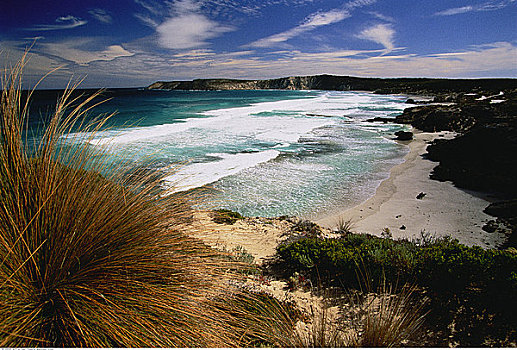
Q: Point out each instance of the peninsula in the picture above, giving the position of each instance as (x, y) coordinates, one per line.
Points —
(416, 86)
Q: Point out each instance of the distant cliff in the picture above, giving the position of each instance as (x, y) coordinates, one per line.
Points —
(345, 83)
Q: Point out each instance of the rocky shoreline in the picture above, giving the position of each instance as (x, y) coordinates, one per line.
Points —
(482, 157)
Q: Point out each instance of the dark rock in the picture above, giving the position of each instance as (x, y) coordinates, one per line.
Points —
(506, 212)
(490, 226)
(403, 227)
(421, 195)
(503, 209)
(482, 159)
(410, 101)
(404, 135)
(381, 119)
(434, 118)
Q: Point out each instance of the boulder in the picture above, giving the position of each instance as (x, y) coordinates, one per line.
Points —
(490, 226)
(421, 195)
(404, 135)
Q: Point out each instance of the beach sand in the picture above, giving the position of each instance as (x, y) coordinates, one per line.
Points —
(445, 210)
(259, 236)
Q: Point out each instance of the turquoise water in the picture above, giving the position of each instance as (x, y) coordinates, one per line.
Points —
(262, 153)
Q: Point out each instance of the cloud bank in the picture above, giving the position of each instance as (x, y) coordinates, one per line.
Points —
(313, 21)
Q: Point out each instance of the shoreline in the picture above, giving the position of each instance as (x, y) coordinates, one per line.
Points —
(445, 210)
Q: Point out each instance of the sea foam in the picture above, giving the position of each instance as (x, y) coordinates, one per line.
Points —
(200, 174)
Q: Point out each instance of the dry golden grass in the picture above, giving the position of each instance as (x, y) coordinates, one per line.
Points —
(392, 319)
(95, 261)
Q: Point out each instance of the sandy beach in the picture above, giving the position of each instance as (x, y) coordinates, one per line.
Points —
(445, 210)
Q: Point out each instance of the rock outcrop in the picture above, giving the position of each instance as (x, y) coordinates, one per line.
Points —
(482, 157)
(404, 135)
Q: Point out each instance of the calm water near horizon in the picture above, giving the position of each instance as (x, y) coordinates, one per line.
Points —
(263, 153)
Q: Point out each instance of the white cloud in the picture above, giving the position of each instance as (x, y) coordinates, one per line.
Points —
(153, 8)
(382, 17)
(64, 22)
(101, 16)
(184, 25)
(359, 3)
(381, 33)
(189, 30)
(455, 11)
(313, 21)
(194, 54)
(71, 50)
(148, 21)
(487, 6)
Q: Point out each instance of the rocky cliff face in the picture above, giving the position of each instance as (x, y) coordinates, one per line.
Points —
(289, 83)
(345, 83)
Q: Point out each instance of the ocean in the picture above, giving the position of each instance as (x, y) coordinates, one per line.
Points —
(259, 152)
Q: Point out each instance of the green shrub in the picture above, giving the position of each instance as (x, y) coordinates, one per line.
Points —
(226, 216)
(443, 265)
(339, 259)
(448, 265)
(306, 228)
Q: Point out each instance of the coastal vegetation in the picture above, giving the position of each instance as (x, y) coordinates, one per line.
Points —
(444, 265)
(91, 260)
(453, 276)
(226, 216)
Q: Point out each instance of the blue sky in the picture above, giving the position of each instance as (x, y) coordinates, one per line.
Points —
(136, 42)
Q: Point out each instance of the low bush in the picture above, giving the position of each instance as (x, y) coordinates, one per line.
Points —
(443, 266)
(306, 228)
(471, 290)
(226, 216)
(339, 260)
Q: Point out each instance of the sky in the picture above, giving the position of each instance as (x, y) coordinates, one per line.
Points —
(133, 43)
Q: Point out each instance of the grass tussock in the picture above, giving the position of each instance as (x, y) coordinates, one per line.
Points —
(90, 260)
(325, 332)
(392, 319)
(344, 226)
